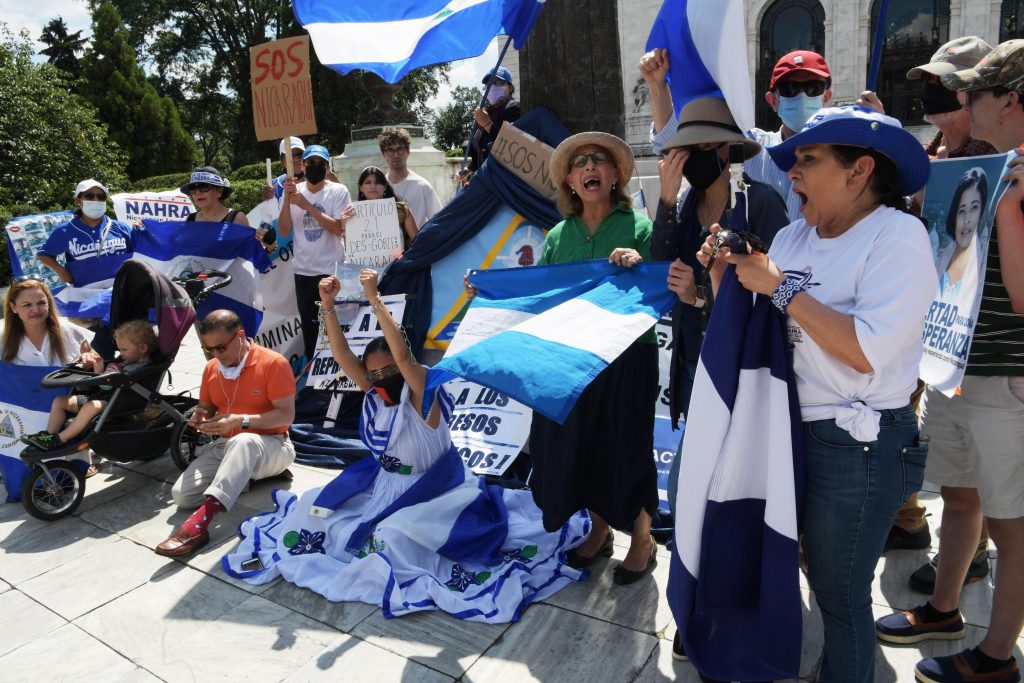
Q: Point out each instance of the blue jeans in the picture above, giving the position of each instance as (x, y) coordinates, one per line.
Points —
(853, 491)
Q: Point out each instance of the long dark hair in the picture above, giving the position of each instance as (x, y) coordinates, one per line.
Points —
(884, 182)
(974, 177)
(389, 191)
(14, 329)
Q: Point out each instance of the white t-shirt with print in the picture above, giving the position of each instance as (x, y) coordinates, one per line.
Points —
(73, 335)
(316, 249)
(418, 194)
(880, 272)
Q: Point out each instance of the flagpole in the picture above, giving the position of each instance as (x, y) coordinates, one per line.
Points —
(483, 100)
(876, 52)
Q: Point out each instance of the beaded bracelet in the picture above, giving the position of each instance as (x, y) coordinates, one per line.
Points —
(784, 293)
(378, 305)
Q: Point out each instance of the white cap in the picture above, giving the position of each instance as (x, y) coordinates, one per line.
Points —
(86, 184)
(296, 144)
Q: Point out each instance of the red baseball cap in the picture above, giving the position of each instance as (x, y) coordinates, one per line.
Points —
(799, 61)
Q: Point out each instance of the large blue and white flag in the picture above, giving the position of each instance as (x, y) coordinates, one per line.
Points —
(734, 579)
(707, 50)
(392, 38)
(24, 409)
(173, 248)
(542, 334)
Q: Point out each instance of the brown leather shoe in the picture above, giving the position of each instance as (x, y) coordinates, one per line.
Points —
(179, 544)
(284, 475)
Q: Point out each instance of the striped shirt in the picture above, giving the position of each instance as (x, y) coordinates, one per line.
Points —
(997, 349)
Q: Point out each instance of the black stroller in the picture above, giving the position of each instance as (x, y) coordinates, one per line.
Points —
(138, 422)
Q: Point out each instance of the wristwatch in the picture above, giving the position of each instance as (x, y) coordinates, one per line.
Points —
(245, 421)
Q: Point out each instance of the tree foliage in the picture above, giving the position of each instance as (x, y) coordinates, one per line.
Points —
(144, 124)
(63, 48)
(49, 138)
(450, 125)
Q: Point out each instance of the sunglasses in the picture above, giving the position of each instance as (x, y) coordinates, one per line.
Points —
(794, 88)
(220, 348)
(393, 151)
(383, 373)
(94, 196)
(199, 187)
(597, 158)
(971, 96)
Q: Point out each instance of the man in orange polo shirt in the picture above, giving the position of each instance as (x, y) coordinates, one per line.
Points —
(247, 398)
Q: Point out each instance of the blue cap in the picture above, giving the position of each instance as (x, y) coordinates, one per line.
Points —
(317, 151)
(501, 72)
(861, 127)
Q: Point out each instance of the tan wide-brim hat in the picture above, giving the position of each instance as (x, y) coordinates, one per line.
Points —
(708, 119)
(565, 151)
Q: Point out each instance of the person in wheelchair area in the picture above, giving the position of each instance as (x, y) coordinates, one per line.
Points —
(135, 341)
(247, 399)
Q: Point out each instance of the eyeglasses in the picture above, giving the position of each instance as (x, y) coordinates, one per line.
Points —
(597, 158)
(199, 187)
(794, 88)
(220, 348)
(395, 151)
(94, 196)
(383, 373)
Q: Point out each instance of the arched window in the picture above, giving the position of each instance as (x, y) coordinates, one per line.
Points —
(787, 25)
(914, 30)
(1011, 20)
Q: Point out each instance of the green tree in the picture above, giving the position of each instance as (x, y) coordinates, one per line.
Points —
(451, 124)
(63, 48)
(146, 125)
(49, 138)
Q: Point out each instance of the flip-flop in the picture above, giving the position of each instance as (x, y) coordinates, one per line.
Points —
(91, 472)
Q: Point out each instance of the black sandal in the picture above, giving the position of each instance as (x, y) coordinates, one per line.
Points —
(578, 561)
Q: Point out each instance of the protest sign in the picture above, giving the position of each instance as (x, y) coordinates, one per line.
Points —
(360, 326)
(373, 237)
(171, 205)
(282, 94)
(959, 207)
(26, 235)
(488, 427)
(527, 157)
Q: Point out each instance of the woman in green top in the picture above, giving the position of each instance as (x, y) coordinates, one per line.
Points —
(601, 458)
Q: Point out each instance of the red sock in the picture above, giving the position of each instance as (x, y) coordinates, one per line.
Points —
(201, 518)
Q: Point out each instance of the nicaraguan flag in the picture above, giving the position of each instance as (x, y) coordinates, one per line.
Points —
(707, 51)
(392, 38)
(734, 579)
(24, 409)
(541, 334)
(173, 248)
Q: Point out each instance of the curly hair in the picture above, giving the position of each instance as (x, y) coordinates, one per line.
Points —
(398, 136)
(138, 332)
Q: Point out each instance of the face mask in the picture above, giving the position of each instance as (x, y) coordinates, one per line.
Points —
(796, 111)
(233, 371)
(93, 209)
(938, 100)
(495, 93)
(702, 169)
(316, 174)
(390, 389)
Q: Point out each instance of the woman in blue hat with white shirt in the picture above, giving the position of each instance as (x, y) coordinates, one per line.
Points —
(855, 279)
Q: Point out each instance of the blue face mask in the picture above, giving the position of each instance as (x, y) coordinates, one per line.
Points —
(796, 111)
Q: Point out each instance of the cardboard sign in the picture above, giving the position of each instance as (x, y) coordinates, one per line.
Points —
(488, 428)
(171, 205)
(282, 94)
(373, 238)
(527, 157)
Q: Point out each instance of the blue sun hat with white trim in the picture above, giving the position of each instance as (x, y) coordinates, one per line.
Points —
(208, 175)
(861, 127)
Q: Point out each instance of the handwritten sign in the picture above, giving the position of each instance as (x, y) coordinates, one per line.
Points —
(373, 237)
(282, 94)
(527, 157)
(488, 428)
(359, 324)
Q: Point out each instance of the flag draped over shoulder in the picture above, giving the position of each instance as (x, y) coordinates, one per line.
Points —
(541, 334)
(24, 409)
(173, 248)
(734, 579)
(394, 37)
(707, 49)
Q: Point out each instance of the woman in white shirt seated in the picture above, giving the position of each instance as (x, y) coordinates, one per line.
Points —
(855, 277)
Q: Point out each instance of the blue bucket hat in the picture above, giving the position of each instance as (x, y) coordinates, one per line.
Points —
(861, 127)
(317, 151)
(501, 72)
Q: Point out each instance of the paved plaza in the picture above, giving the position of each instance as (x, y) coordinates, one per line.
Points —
(86, 599)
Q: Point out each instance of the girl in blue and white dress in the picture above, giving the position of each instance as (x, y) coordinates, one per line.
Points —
(411, 528)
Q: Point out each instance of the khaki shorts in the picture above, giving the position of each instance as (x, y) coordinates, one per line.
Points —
(977, 441)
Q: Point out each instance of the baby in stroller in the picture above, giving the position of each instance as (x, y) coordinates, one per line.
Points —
(136, 341)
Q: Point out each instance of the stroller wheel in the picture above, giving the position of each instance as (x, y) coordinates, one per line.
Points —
(54, 492)
(186, 442)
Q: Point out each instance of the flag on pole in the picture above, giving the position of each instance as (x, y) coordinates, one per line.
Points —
(734, 578)
(707, 50)
(392, 38)
(541, 334)
(24, 409)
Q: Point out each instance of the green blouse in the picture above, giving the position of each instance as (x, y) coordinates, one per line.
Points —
(570, 242)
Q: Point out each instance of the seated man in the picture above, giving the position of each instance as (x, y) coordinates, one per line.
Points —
(247, 398)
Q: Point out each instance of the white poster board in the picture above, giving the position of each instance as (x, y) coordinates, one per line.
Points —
(488, 428)
(373, 237)
(171, 205)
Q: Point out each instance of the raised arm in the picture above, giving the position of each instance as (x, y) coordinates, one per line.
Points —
(349, 362)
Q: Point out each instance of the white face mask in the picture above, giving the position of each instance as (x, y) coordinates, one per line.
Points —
(233, 371)
(495, 93)
(93, 209)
